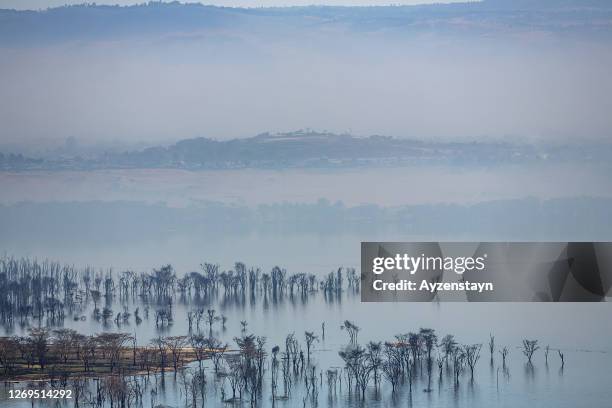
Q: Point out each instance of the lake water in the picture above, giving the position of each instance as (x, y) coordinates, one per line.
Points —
(519, 386)
(383, 186)
(582, 331)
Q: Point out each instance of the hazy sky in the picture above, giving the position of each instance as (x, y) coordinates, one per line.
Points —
(36, 4)
(462, 79)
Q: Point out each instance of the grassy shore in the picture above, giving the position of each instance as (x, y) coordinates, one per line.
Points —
(127, 364)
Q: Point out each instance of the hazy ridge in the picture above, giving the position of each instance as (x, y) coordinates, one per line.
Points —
(310, 149)
(85, 22)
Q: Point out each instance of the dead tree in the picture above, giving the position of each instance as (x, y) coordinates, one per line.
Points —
(63, 343)
(175, 344)
(310, 338)
(448, 345)
(112, 345)
(9, 353)
(39, 342)
(504, 353)
(211, 318)
(458, 363)
(199, 345)
(472, 355)
(562, 357)
(352, 329)
(529, 348)
(357, 364)
(392, 366)
(160, 344)
(215, 349)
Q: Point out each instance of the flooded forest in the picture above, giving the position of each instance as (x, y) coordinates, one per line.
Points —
(161, 338)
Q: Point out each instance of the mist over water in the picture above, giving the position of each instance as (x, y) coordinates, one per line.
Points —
(387, 187)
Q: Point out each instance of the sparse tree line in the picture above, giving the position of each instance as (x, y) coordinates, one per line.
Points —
(405, 360)
(32, 289)
(65, 351)
(419, 357)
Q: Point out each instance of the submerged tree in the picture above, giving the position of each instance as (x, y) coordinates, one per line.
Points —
(352, 329)
(529, 348)
(375, 359)
(357, 364)
(472, 355)
(458, 363)
(448, 345)
(562, 357)
(393, 365)
(504, 353)
(211, 318)
(310, 338)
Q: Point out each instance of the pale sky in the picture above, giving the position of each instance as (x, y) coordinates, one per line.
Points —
(41, 4)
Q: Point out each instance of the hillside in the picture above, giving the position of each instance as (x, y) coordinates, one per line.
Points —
(305, 149)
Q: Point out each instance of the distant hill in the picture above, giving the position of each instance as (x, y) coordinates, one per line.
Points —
(91, 22)
(309, 149)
